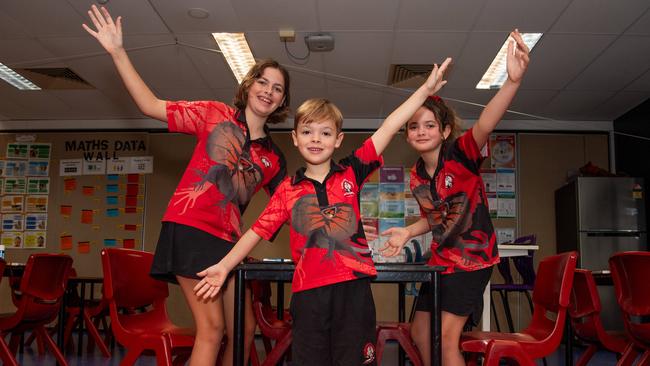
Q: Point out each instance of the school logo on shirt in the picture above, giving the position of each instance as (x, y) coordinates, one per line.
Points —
(347, 187)
(265, 161)
(449, 181)
(368, 353)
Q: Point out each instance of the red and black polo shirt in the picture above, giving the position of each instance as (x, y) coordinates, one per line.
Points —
(225, 170)
(455, 204)
(326, 236)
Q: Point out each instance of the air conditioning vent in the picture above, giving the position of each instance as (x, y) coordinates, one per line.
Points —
(408, 75)
(55, 78)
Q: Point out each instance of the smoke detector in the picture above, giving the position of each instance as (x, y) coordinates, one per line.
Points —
(319, 42)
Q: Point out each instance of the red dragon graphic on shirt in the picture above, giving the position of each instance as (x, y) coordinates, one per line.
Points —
(450, 221)
(331, 227)
(235, 173)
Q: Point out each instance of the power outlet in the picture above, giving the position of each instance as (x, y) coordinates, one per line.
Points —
(287, 35)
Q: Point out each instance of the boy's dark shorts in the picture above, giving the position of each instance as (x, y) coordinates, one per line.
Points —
(461, 293)
(184, 250)
(334, 325)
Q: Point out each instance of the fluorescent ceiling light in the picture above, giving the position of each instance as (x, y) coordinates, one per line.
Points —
(15, 79)
(236, 51)
(496, 74)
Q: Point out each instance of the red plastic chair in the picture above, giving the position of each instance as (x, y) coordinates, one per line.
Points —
(630, 274)
(127, 284)
(41, 289)
(543, 335)
(6, 355)
(401, 332)
(584, 311)
(270, 326)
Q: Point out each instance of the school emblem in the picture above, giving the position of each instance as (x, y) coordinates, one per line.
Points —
(347, 187)
(265, 161)
(368, 353)
(449, 181)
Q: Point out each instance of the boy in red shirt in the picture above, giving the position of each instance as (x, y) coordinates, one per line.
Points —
(332, 306)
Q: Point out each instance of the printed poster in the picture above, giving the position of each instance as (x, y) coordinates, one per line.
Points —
(118, 166)
(506, 181)
(11, 204)
(141, 165)
(39, 168)
(69, 167)
(13, 222)
(38, 185)
(36, 221)
(11, 239)
(40, 151)
(34, 239)
(95, 167)
(15, 168)
(14, 186)
(502, 150)
(37, 203)
(17, 150)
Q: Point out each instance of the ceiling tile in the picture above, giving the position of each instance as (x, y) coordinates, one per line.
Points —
(558, 59)
(356, 102)
(222, 17)
(138, 17)
(426, 47)
(618, 105)
(361, 57)
(641, 26)
(9, 28)
(49, 18)
(624, 61)
(527, 16)
(599, 16)
(448, 15)
(575, 105)
(276, 15)
(640, 84)
(367, 15)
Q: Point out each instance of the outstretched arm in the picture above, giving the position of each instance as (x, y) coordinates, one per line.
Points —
(109, 35)
(400, 116)
(517, 62)
(400, 235)
(215, 276)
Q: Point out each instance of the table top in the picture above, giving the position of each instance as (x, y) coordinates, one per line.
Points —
(386, 272)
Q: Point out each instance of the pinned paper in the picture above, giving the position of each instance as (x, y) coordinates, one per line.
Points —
(130, 227)
(65, 242)
(112, 188)
(112, 212)
(69, 185)
(110, 242)
(113, 177)
(132, 209)
(133, 178)
(132, 189)
(83, 247)
(128, 243)
(86, 216)
(88, 190)
(65, 210)
(111, 200)
(131, 201)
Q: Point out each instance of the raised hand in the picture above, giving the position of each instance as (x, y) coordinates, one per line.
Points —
(213, 279)
(435, 80)
(109, 33)
(517, 59)
(398, 237)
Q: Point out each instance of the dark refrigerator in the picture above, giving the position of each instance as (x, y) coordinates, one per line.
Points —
(597, 217)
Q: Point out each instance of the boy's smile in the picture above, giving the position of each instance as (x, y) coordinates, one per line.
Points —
(316, 141)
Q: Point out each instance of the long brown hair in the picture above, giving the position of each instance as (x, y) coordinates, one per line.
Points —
(241, 98)
(445, 115)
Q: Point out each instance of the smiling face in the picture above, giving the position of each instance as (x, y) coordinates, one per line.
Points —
(266, 93)
(423, 131)
(317, 140)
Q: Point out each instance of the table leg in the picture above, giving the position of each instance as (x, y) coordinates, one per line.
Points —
(568, 355)
(238, 336)
(401, 305)
(280, 301)
(485, 316)
(436, 322)
(81, 318)
(60, 327)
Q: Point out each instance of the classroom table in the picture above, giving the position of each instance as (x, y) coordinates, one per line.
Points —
(386, 273)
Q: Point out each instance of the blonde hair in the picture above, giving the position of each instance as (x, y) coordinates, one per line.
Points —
(317, 110)
(241, 98)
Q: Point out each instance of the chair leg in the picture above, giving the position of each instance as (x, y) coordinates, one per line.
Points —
(131, 356)
(254, 359)
(281, 346)
(587, 355)
(164, 352)
(404, 341)
(182, 358)
(506, 306)
(6, 355)
(645, 359)
(49, 342)
(530, 301)
(629, 355)
(379, 347)
(505, 349)
(92, 331)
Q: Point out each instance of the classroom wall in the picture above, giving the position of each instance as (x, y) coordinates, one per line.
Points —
(544, 160)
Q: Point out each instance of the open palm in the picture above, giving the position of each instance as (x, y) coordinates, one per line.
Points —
(517, 60)
(435, 80)
(108, 33)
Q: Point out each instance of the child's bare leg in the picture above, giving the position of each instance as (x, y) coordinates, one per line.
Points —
(452, 327)
(421, 335)
(249, 322)
(209, 322)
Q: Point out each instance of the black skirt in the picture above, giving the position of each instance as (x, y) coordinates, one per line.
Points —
(184, 251)
(461, 293)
